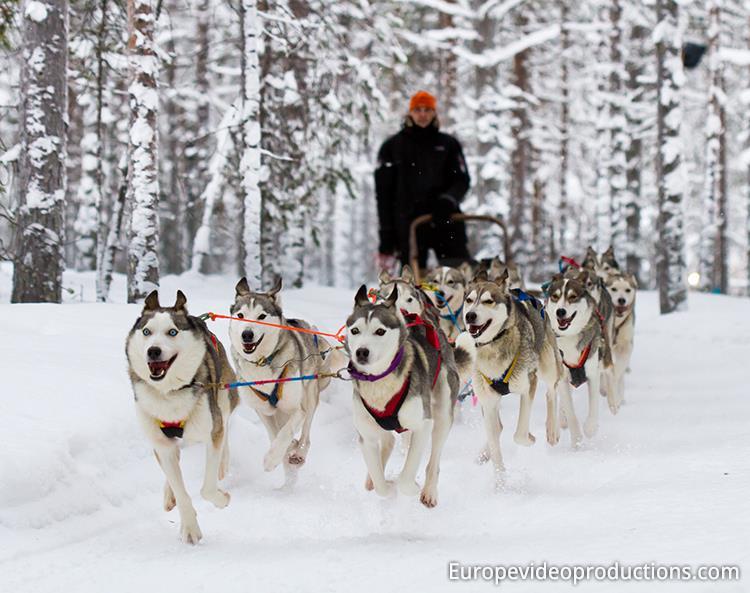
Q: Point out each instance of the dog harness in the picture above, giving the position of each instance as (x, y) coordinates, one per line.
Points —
(578, 372)
(413, 320)
(388, 417)
(521, 296)
(276, 393)
(172, 430)
(501, 385)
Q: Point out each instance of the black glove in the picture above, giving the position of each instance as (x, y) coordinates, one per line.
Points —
(442, 208)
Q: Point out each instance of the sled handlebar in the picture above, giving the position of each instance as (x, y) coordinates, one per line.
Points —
(427, 218)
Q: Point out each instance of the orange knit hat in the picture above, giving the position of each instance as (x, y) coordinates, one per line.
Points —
(423, 99)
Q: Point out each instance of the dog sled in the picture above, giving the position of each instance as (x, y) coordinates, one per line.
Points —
(459, 217)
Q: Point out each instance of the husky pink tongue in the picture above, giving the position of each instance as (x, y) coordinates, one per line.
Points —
(476, 330)
(159, 368)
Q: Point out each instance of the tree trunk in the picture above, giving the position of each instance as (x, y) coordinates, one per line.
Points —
(564, 130)
(250, 160)
(617, 127)
(39, 259)
(519, 231)
(670, 262)
(634, 114)
(143, 179)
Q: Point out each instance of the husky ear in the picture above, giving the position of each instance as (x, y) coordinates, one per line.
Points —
(466, 270)
(276, 288)
(632, 279)
(384, 277)
(481, 276)
(392, 298)
(242, 287)
(407, 275)
(502, 279)
(152, 301)
(180, 301)
(361, 299)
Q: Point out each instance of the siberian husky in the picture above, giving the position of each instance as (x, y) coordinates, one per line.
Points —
(508, 346)
(622, 289)
(176, 366)
(603, 265)
(263, 352)
(447, 291)
(401, 383)
(581, 340)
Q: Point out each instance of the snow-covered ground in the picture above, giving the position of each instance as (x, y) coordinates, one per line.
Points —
(666, 481)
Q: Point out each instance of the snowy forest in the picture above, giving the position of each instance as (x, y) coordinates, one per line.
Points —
(156, 137)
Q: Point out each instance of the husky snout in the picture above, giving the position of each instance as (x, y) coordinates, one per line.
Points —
(471, 317)
(154, 353)
(362, 354)
(248, 335)
(561, 313)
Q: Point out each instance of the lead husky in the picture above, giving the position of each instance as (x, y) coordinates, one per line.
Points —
(511, 345)
(400, 383)
(622, 289)
(264, 352)
(175, 365)
(581, 340)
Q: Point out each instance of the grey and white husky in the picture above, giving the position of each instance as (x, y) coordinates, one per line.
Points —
(176, 366)
(263, 352)
(509, 345)
(581, 339)
(447, 291)
(401, 382)
(622, 289)
(602, 265)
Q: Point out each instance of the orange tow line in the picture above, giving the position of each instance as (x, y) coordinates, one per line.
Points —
(337, 336)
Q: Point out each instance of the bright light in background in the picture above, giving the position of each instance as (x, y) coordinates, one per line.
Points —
(694, 279)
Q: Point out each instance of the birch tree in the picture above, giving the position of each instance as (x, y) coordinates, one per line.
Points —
(39, 258)
(670, 263)
(143, 180)
(251, 265)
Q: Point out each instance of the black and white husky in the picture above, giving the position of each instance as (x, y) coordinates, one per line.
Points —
(176, 366)
(262, 352)
(400, 383)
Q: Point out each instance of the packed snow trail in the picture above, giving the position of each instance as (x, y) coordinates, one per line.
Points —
(664, 481)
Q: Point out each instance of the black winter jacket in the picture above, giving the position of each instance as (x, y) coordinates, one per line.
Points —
(415, 166)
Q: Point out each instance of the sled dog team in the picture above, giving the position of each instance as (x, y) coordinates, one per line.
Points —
(412, 351)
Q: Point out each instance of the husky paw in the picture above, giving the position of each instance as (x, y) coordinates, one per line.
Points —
(429, 497)
(553, 433)
(483, 457)
(387, 491)
(190, 533)
(408, 487)
(169, 499)
(219, 498)
(271, 460)
(590, 427)
(614, 406)
(524, 440)
(369, 486)
(296, 454)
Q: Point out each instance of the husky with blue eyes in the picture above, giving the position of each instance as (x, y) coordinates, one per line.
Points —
(176, 366)
(401, 383)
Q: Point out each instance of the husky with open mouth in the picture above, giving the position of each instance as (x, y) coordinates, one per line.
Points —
(507, 347)
(176, 366)
(264, 352)
(622, 289)
(572, 310)
(400, 383)
(447, 289)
